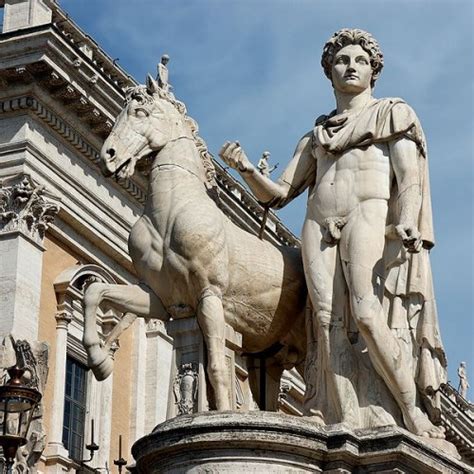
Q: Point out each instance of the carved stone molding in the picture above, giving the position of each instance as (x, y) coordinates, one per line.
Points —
(154, 326)
(69, 134)
(26, 207)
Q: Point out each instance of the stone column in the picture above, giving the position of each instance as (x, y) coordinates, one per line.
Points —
(55, 450)
(26, 210)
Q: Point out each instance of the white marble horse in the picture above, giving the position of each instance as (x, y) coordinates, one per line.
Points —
(192, 260)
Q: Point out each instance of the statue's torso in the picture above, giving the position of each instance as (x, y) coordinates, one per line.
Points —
(344, 181)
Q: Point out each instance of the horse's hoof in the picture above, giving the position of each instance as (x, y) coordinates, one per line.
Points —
(104, 369)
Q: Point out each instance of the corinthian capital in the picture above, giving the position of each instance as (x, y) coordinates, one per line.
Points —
(26, 206)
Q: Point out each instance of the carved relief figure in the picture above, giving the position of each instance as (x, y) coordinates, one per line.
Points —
(191, 259)
(185, 389)
(376, 356)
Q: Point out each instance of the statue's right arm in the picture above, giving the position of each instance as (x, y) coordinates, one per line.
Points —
(298, 175)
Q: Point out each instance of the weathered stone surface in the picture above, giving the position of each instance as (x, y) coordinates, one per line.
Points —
(26, 207)
(374, 355)
(226, 275)
(268, 442)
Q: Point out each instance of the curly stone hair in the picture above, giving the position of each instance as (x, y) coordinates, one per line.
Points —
(348, 36)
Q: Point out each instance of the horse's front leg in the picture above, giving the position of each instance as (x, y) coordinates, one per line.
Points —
(136, 299)
(210, 316)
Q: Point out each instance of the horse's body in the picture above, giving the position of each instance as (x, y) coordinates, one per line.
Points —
(192, 259)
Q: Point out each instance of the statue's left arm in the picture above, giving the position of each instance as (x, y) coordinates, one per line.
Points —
(404, 160)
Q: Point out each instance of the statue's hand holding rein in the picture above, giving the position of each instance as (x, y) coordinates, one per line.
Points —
(233, 155)
(410, 236)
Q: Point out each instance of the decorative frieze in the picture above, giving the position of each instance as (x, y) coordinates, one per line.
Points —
(69, 134)
(26, 207)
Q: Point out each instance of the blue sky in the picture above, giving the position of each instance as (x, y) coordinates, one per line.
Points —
(249, 70)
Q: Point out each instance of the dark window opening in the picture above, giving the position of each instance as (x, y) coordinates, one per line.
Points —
(75, 408)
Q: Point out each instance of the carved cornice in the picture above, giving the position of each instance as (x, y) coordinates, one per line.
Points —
(62, 90)
(26, 207)
(68, 133)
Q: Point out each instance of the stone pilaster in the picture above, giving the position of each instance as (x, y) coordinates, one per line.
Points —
(26, 211)
(158, 366)
(55, 450)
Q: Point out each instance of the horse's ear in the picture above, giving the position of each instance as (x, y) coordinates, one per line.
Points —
(151, 85)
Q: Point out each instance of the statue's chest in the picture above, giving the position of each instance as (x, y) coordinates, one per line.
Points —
(355, 160)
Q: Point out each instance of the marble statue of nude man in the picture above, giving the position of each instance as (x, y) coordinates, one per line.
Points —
(364, 168)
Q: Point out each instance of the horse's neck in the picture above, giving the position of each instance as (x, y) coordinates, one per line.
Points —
(181, 152)
(178, 167)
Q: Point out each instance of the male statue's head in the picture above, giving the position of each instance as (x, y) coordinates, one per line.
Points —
(347, 45)
(165, 59)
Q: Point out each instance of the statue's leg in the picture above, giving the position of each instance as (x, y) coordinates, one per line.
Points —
(326, 288)
(211, 321)
(132, 300)
(362, 245)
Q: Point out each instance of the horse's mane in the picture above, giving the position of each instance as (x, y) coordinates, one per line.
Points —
(206, 157)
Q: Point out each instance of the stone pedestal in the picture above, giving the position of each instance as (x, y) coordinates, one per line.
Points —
(189, 391)
(267, 442)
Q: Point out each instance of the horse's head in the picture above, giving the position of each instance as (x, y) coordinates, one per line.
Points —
(147, 123)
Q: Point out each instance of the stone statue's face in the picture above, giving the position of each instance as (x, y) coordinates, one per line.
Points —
(351, 70)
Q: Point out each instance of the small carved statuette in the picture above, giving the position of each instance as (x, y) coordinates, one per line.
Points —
(463, 382)
(163, 73)
(185, 388)
(263, 166)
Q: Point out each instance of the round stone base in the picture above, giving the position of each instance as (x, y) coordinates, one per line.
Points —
(265, 442)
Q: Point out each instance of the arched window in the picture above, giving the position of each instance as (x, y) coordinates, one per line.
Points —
(78, 398)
